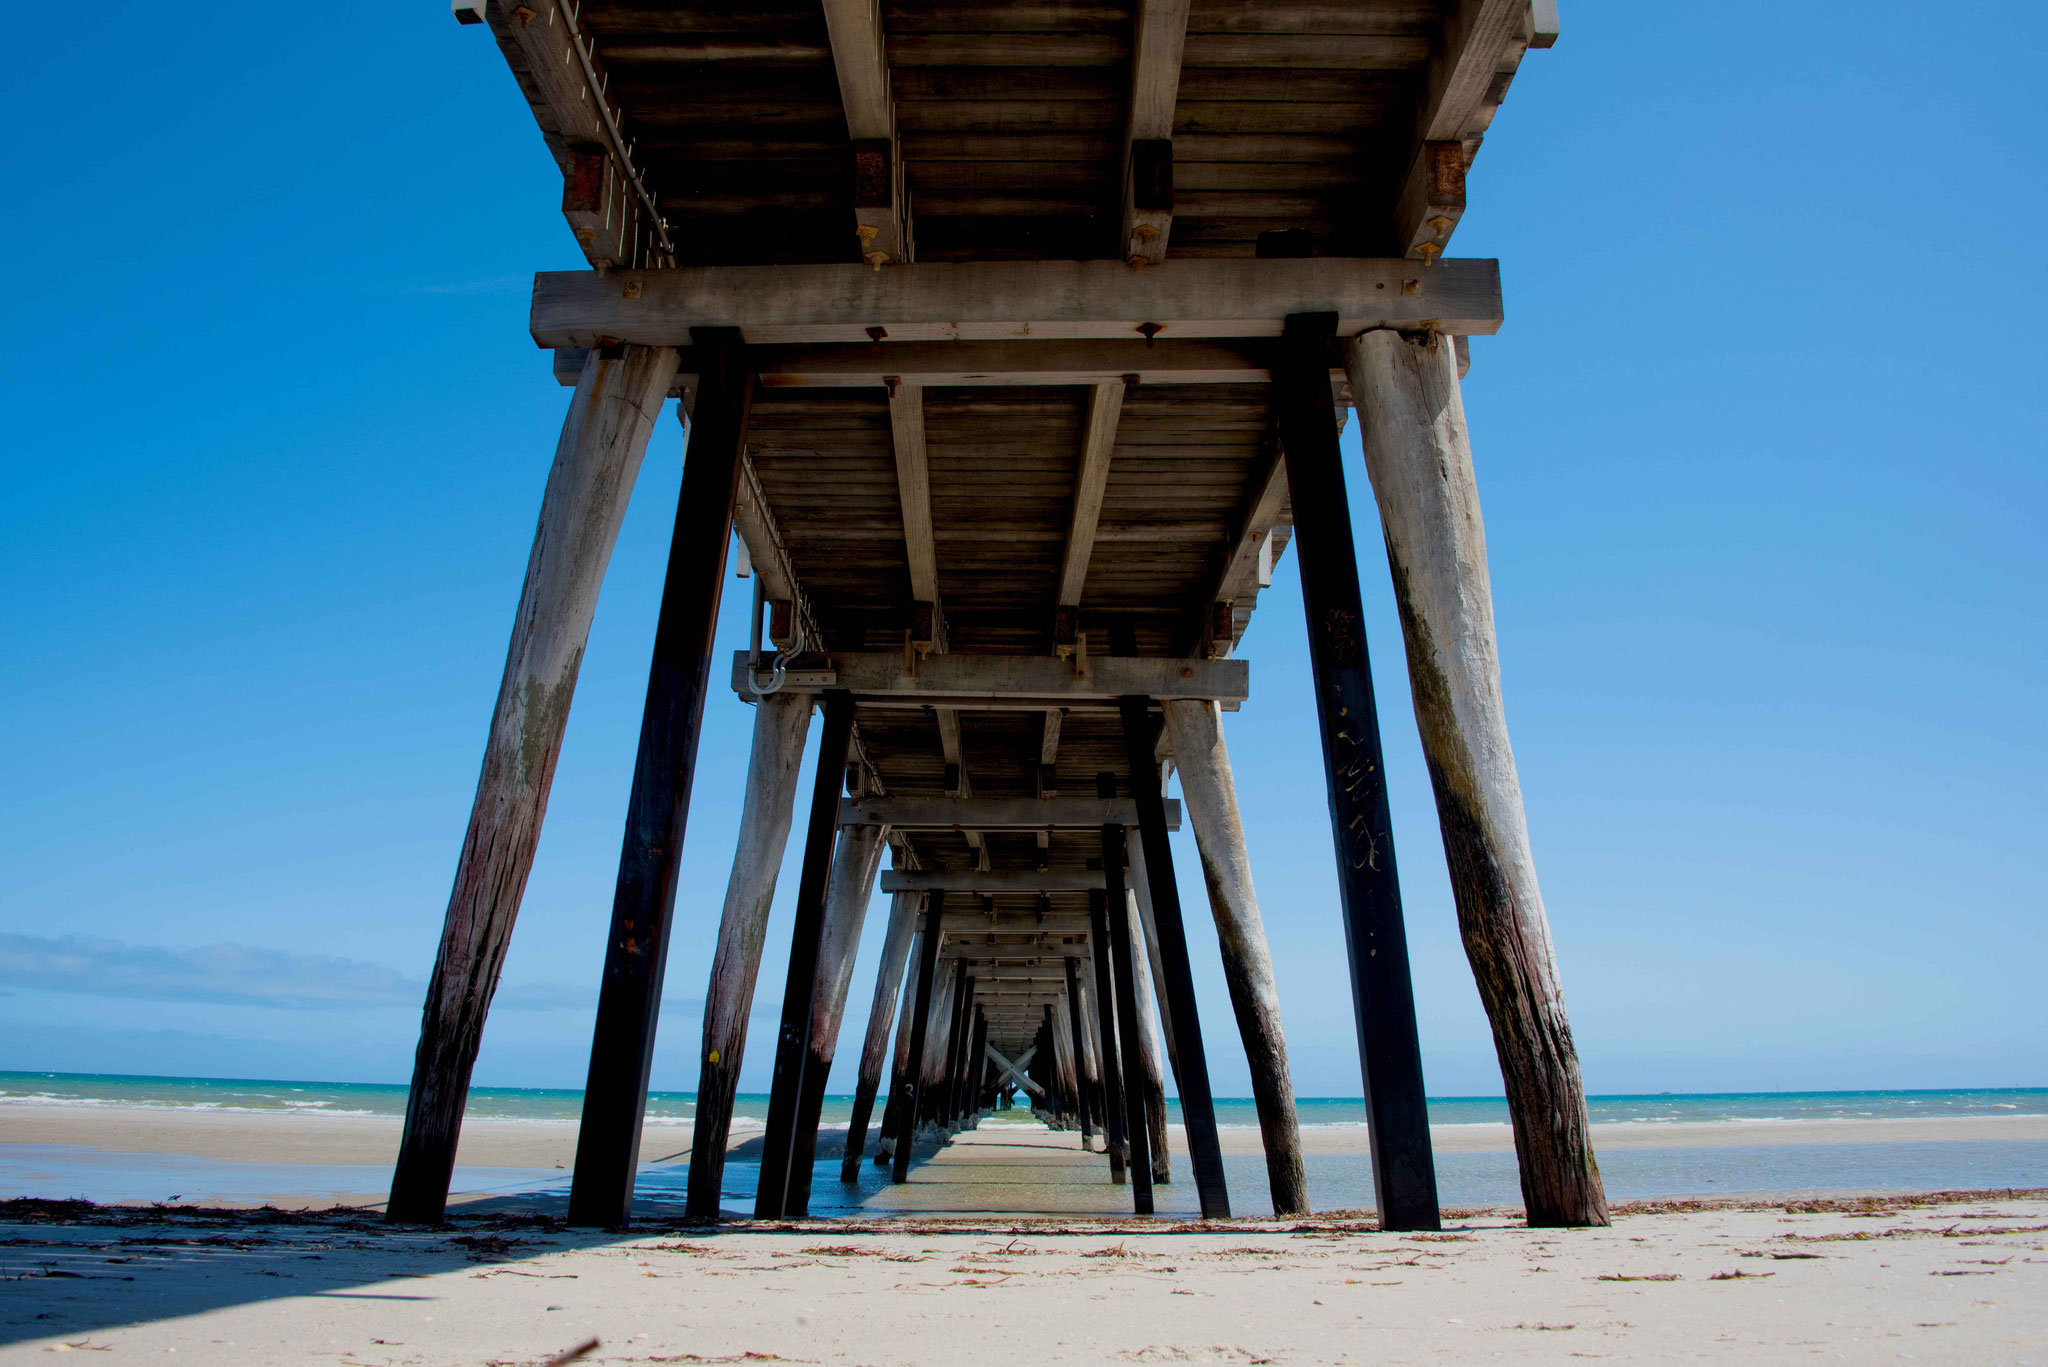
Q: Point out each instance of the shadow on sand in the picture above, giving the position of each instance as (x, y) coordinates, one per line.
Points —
(72, 1268)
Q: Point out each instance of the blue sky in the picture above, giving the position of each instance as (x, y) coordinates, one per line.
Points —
(1760, 448)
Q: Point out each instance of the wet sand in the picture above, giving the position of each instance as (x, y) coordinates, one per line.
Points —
(1942, 1279)
(297, 1137)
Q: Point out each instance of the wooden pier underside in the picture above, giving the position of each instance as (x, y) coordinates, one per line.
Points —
(1011, 281)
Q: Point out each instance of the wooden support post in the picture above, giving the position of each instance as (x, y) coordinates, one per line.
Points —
(781, 722)
(932, 1095)
(1104, 989)
(1092, 1014)
(905, 1135)
(977, 1067)
(1146, 1023)
(1418, 453)
(807, 930)
(1123, 982)
(1068, 1071)
(1191, 1060)
(940, 1053)
(854, 864)
(1056, 1040)
(939, 1114)
(1141, 896)
(1368, 886)
(603, 439)
(636, 954)
(1083, 1082)
(881, 1018)
(1047, 1062)
(956, 1048)
(899, 1066)
(1209, 794)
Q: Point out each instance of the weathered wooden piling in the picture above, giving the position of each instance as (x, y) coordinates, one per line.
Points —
(881, 1019)
(852, 883)
(932, 1091)
(636, 954)
(1077, 1036)
(1191, 1062)
(1209, 792)
(619, 394)
(977, 1067)
(1418, 453)
(1115, 1133)
(1116, 948)
(899, 1064)
(781, 722)
(955, 1075)
(807, 930)
(1055, 1044)
(1148, 1020)
(905, 1134)
(1368, 886)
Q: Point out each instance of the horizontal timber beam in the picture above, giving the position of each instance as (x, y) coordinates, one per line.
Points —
(1012, 964)
(996, 300)
(868, 365)
(879, 678)
(974, 949)
(1025, 928)
(1006, 880)
(995, 813)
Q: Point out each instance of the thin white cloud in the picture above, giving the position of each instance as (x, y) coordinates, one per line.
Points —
(232, 974)
(502, 284)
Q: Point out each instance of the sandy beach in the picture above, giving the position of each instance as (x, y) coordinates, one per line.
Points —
(1938, 1279)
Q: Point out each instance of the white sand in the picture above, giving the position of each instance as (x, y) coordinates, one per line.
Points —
(1945, 1282)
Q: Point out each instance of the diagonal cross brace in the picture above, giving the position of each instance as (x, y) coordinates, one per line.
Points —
(1015, 1070)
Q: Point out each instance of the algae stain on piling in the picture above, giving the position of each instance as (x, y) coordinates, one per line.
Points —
(544, 715)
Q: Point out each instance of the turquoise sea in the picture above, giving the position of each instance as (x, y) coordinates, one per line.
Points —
(1337, 1180)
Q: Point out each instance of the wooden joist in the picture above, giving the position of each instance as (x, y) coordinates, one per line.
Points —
(880, 219)
(1011, 682)
(1098, 439)
(1461, 67)
(1458, 95)
(914, 490)
(604, 194)
(1432, 199)
(1247, 559)
(995, 813)
(768, 557)
(1160, 31)
(997, 300)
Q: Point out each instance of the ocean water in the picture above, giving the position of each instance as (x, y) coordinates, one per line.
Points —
(553, 1103)
(1337, 1181)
